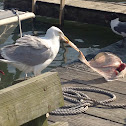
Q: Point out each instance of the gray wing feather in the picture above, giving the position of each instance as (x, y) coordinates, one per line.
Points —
(121, 27)
(34, 41)
(28, 53)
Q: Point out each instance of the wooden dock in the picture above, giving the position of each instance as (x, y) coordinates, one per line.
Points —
(81, 10)
(7, 16)
(78, 10)
(78, 74)
(88, 4)
(94, 5)
(26, 103)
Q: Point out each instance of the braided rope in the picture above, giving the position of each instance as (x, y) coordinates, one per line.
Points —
(80, 101)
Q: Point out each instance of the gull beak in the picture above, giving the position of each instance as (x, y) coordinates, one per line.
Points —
(70, 43)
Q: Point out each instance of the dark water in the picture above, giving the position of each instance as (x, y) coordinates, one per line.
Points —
(87, 37)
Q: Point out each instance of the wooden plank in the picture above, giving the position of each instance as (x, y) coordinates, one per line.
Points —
(40, 121)
(114, 115)
(102, 6)
(75, 77)
(30, 99)
(14, 18)
(60, 124)
(8, 13)
(33, 5)
(111, 114)
(93, 79)
(84, 120)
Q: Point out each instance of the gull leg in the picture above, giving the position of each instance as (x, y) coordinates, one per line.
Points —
(26, 75)
(36, 72)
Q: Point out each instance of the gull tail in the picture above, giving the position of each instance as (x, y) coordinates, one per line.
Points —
(5, 61)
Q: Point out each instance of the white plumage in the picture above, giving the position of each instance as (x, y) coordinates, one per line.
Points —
(118, 27)
(33, 54)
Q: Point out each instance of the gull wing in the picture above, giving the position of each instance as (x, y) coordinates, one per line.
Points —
(121, 27)
(28, 50)
(34, 41)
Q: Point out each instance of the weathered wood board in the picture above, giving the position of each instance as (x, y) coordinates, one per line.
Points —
(79, 75)
(102, 6)
(60, 124)
(7, 17)
(30, 99)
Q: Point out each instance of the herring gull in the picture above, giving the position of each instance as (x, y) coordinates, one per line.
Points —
(118, 27)
(33, 54)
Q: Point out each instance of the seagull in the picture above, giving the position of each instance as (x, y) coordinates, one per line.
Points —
(33, 54)
(118, 27)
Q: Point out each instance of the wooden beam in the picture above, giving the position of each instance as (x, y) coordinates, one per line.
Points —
(14, 18)
(61, 14)
(40, 121)
(33, 5)
(60, 124)
(30, 99)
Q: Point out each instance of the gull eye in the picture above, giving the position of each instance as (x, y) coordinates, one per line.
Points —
(60, 32)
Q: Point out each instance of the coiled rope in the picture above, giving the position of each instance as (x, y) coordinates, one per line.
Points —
(80, 102)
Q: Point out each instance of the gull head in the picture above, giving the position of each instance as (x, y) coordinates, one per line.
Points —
(110, 17)
(54, 32)
(114, 16)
